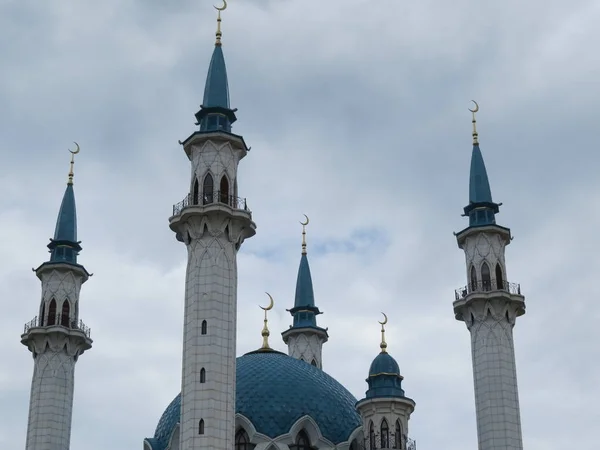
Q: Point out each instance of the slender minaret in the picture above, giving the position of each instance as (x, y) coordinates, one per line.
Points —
(56, 337)
(304, 338)
(385, 410)
(489, 306)
(213, 223)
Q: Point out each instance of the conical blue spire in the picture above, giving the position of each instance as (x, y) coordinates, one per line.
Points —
(65, 247)
(304, 311)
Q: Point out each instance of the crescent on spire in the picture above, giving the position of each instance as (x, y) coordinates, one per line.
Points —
(476, 107)
(385, 319)
(268, 308)
(76, 151)
(222, 8)
(306, 222)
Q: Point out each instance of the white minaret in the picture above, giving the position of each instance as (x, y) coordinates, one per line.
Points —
(385, 410)
(213, 223)
(304, 338)
(489, 306)
(56, 337)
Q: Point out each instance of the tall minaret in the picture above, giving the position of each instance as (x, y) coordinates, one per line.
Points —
(385, 410)
(213, 223)
(489, 305)
(56, 337)
(304, 338)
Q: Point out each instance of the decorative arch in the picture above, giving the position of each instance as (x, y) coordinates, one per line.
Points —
(486, 278)
(313, 362)
(201, 426)
(242, 440)
(224, 190)
(308, 425)
(208, 189)
(302, 442)
(204, 327)
(384, 434)
(398, 435)
(372, 436)
(66, 310)
(195, 192)
(473, 281)
(52, 312)
(499, 277)
(174, 439)
(202, 375)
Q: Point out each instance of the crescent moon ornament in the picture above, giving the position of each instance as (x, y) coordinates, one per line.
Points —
(476, 107)
(305, 222)
(222, 8)
(268, 308)
(76, 151)
(385, 319)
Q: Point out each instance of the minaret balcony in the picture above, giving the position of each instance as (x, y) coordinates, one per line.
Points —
(378, 441)
(66, 324)
(487, 286)
(488, 290)
(216, 198)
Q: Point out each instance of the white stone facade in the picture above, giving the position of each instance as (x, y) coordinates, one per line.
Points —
(385, 421)
(213, 227)
(56, 339)
(489, 306)
(306, 344)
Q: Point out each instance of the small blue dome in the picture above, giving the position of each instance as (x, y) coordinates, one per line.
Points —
(273, 391)
(384, 363)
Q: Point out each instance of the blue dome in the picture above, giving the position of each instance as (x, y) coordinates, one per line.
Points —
(384, 363)
(273, 391)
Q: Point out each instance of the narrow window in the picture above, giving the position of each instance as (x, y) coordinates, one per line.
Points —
(203, 331)
(224, 190)
(398, 435)
(195, 192)
(499, 280)
(313, 363)
(354, 445)
(302, 442)
(207, 189)
(41, 321)
(202, 375)
(52, 313)
(64, 320)
(385, 434)
(235, 188)
(473, 279)
(486, 279)
(201, 426)
(372, 436)
(242, 441)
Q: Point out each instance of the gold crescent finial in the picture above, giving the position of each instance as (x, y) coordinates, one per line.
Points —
(219, 34)
(383, 345)
(73, 153)
(265, 331)
(473, 111)
(306, 222)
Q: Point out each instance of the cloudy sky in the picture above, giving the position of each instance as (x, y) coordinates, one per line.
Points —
(356, 112)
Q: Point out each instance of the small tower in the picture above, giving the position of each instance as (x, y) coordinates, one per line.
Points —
(304, 338)
(56, 337)
(213, 223)
(489, 306)
(385, 410)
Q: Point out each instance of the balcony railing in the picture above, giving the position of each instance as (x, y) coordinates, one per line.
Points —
(389, 441)
(210, 198)
(487, 286)
(64, 322)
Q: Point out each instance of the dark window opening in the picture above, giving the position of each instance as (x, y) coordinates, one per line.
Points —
(354, 445)
(372, 436)
(64, 320)
(242, 441)
(398, 435)
(499, 280)
(42, 316)
(208, 189)
(385, 434)
(201, 426)
(202, 375)
(52, 313)
(195, 192)
(313, 363)
(473, 279)
(486, 279)
(302, 442)
(204, 325)
(224, 190)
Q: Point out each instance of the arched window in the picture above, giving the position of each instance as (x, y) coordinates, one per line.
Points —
(313, 363)
(372, 436)
(224, 190)
(385, 434)
(473, 279)
(499, 280)
(486, 279)
(202, 375)
(353, 445)
(201, 426)
(42, 318)
(242, 441)
(203, 330)
(398, 435)
(208, 189)
(52, 313)
(302, 442)
(64, 320)
(195, 192)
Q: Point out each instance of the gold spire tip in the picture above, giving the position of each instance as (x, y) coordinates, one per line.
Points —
(473, 111)
(73, 153)
(383, 345)
(265, 331)
(219, 33)
(306, 222)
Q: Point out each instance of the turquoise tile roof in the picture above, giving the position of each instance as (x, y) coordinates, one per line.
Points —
(481, 209)
(384, 377)
(64, 247)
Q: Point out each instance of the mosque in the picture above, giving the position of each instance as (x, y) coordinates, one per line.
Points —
(265, 399)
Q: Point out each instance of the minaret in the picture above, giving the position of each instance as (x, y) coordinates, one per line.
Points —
(385, 410)
(304, 338)
(489, 306)
(213, 223)
(56, 337)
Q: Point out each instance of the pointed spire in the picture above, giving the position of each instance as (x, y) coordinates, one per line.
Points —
(383, 345)
(265, 331)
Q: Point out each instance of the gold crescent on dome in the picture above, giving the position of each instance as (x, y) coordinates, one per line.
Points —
(270, 305)
(476, 107)
(222, 8)
(385, 319)
(305, 222)
(76, 151)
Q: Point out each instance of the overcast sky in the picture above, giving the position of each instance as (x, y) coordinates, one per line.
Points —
(356, 112)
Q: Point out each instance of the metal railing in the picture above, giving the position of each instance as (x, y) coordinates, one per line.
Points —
(73, 324)
(389, 441)
(487, 286)
(208, 199)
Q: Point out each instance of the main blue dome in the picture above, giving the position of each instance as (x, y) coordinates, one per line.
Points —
(273, 391)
